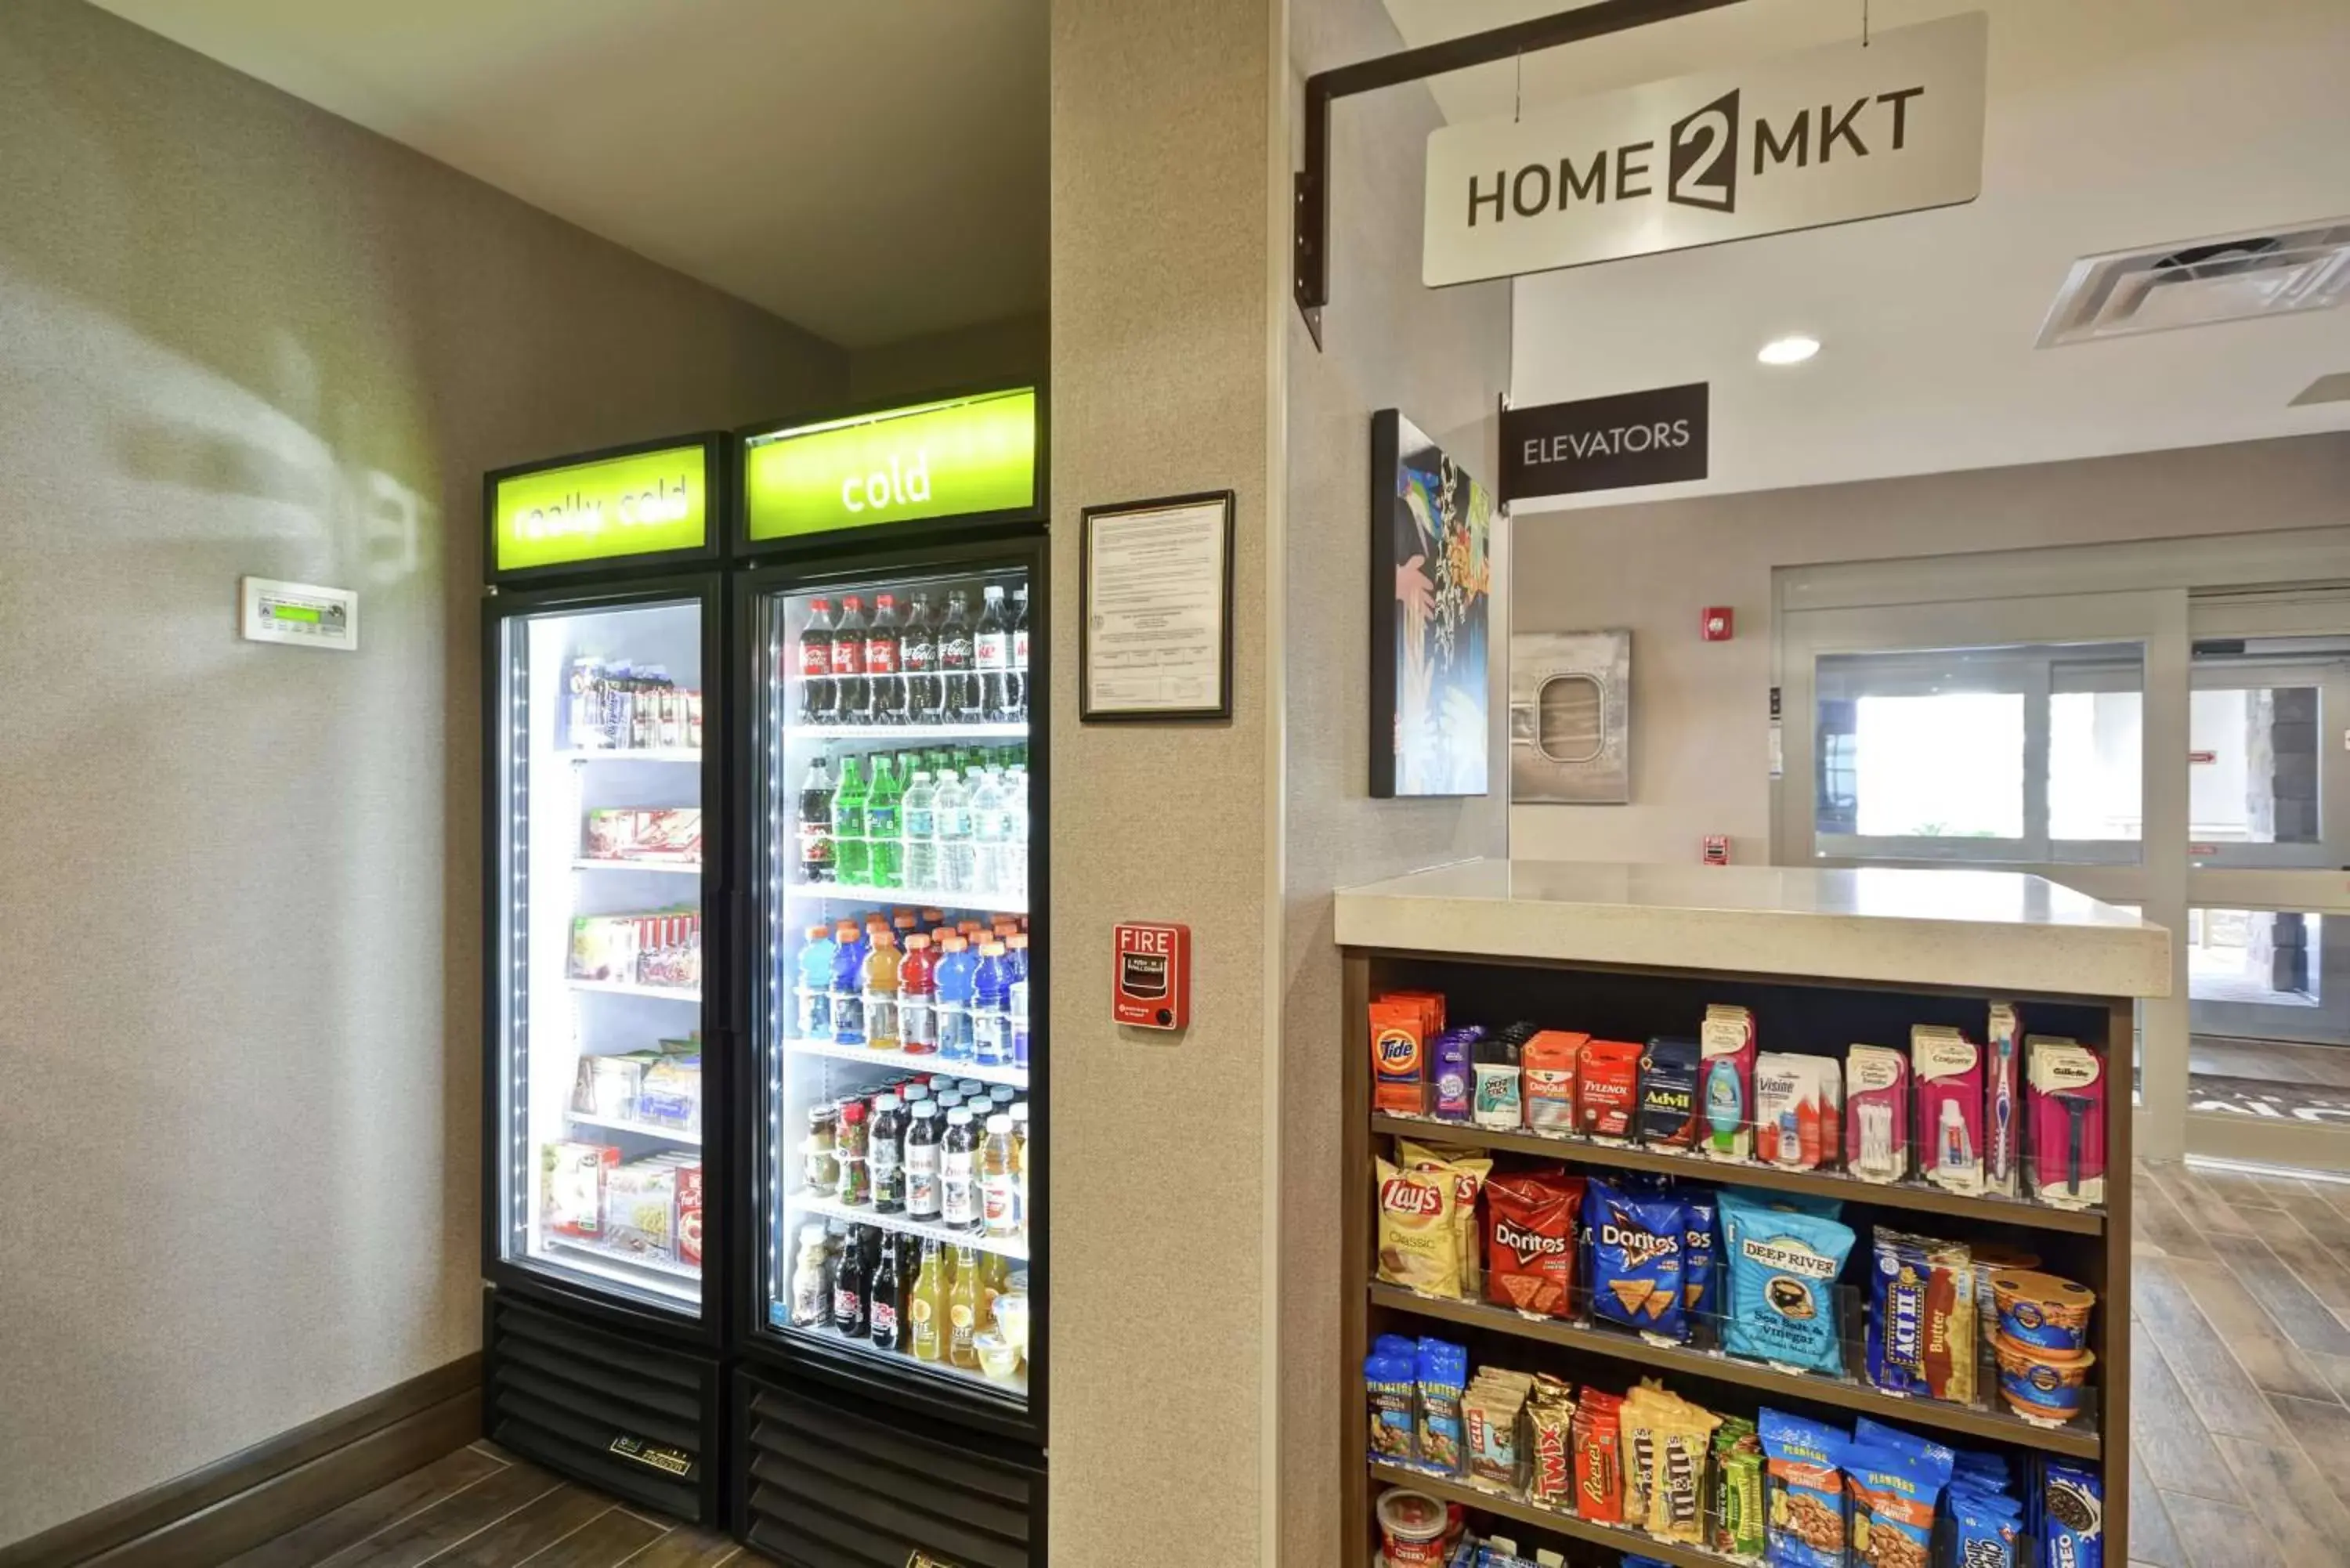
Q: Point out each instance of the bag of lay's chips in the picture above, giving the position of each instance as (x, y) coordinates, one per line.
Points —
(1416, 1246)
(1783, 1269)
(1637, 1247)
(1468, 1169)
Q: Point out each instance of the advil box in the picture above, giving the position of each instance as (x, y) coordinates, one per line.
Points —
(1150, 984)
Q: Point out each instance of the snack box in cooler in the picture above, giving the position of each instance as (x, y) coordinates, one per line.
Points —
(645, 1202)
(571, 1180)
(668, 834)
(610, 1087)
(668, 1093)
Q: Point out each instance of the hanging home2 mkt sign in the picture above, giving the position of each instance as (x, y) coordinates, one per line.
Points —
(952, 458)
(1828, 136)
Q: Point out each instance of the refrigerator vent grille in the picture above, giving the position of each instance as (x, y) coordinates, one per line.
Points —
(829, 1489)
(632, 1419)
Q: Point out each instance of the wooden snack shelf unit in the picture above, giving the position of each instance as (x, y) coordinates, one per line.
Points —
(2091, 1245)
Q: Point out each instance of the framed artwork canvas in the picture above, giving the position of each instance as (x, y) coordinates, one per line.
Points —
(1431, 589)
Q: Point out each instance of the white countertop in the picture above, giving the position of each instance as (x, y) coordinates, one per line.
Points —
(1995, 930)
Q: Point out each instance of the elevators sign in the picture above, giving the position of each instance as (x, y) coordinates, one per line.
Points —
(1604, 443)
(1571, 718)
(1828, 136)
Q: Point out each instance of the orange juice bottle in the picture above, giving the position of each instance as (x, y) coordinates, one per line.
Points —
(926, 1308)
(962, 1310)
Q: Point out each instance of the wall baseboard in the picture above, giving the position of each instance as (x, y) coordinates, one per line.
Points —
(234, 1504)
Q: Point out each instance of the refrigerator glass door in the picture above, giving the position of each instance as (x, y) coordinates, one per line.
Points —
(892, 805)
(601, 1077)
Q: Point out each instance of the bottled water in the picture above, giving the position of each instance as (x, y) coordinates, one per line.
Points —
(1012, 857)
(917, 817)
(987, 828)
(951, 817)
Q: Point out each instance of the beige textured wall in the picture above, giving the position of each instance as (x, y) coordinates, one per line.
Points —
(1700, 760)
(1015, 347)
(1162, 349)
(1443, 356)
(239, 947)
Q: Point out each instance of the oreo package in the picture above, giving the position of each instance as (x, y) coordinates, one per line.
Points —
(1668, 1106)
(2072, 1501)
(1637, 1246)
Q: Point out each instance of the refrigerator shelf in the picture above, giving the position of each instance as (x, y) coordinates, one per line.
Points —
(1018, 732)
(684, 867)
(630, 988)
(646, 1129)
(681, 1282)
(633, 754)
(825, 1206)
(925, 898)
(780, 1318)
(924, 1062)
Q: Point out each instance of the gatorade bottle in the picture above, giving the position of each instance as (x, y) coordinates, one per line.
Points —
(987, 826)
(847, 986)
(950, 825)
(990, 1000)
(953, 978)
(880, 986)
(917, 999)
(815, 985)
(885, 847)
(917, 817)
(850, 863)
(1016, 1010)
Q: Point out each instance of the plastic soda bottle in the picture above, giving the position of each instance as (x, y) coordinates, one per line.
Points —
(987, 829)
(850, 863)
(990, 1000)
(951, 822)
(816, 823)
(917, 818)
(885, 825)
(814, 988)
(847, 986)
(880, 987)
(918, 998)
(999, 1179)
(953, 978)
(926, 1310)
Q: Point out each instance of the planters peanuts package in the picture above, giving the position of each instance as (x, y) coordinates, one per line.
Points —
(1783, 1269)
(1637, 1247)
(1803, 1491)
(1387, 1376)
(2070, 1505)
(1894, 1491)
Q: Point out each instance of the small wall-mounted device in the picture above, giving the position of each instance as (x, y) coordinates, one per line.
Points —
(302, 614)
(1718, 624)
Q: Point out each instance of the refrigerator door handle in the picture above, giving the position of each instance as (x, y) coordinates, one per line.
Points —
(740, 918)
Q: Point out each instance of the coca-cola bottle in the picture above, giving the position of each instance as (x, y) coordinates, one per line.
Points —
(1018, 685)
(958, 691)
(918, 658)
(815, 664)
(991, 652)
(853, 703)
(886, 686)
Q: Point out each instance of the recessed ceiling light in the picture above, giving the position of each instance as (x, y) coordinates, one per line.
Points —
(1792, 350)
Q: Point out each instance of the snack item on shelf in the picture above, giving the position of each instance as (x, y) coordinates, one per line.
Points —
(1726, 1042)
(1893, 1492)
(1489, 1423)
(1921, 1317)
(1455, 1082)
(689, 1214)
(571, 1187)
(1550, 1443)
(606, 1087)
(640, 1206)
(1416, 1246)
(1700, 1265)
(1637, 1247)
(1547, 1066)
(2038, 1387)
(1388, 1375)
(1399, 1036)
(1636, 1428)
(1948, 1067)
(1412, 1528)
(1680, 1435)
(2070, 1516)
(1607, 1089)
(2067, 1109)
(1598, 1470)
(1738, 1489)
(1496, 1067)
(1468, 1168)
(1876, 1114)
(1993, 1258)
(1669, 1105)
(1795, 1120)
(1803, 1492)
(1984, 1528)
(1530, 1229)
(2003, 1100)
(668, 1093)
(1783, 1268)
(2043, 1313)
(1440, 1378)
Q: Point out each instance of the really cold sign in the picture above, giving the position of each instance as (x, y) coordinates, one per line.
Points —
(1828, 136)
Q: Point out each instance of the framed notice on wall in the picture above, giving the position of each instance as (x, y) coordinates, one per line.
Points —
(1155, 639)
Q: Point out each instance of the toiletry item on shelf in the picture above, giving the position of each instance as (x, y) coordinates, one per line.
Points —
(1948, 1067)
(2003, 1100)
(1797, 1121)
(2065, 1119)
(1454, 1086)
(1877, 1113)
(1726, 1082)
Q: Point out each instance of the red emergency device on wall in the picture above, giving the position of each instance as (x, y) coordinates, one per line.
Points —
(1150, 984)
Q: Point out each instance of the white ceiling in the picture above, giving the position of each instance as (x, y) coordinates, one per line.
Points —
(869, 168)
(2111, 124)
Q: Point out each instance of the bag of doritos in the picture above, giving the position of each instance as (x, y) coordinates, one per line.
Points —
(1700, 1263)
(1783, 1269)
(1637, 1247)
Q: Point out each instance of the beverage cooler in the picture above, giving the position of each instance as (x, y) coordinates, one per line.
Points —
(607, 1171)
(893, 687)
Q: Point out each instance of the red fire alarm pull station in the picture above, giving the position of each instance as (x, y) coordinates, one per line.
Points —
(1719, 623)
(1151, 986)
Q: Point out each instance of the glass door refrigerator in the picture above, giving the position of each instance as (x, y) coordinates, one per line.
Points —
(894, 691)
(606, 1095)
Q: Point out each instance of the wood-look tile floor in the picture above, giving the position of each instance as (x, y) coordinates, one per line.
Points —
(483, 1507)
(2239, 1432)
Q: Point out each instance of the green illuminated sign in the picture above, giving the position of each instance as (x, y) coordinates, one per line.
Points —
(295, 612)
(642, 504)
(945, 459)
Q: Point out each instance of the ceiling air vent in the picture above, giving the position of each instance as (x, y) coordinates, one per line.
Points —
(2334, 389)
(2231, 278)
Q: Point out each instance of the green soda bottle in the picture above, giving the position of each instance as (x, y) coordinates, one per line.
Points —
(851, 863)
(884, 828)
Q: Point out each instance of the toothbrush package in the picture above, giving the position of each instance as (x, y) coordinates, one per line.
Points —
(1877, 1113)
(1948, 1067)
(2064, 1116)
(2003, 1100)
(1797, 1100)
(1726, 1083)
